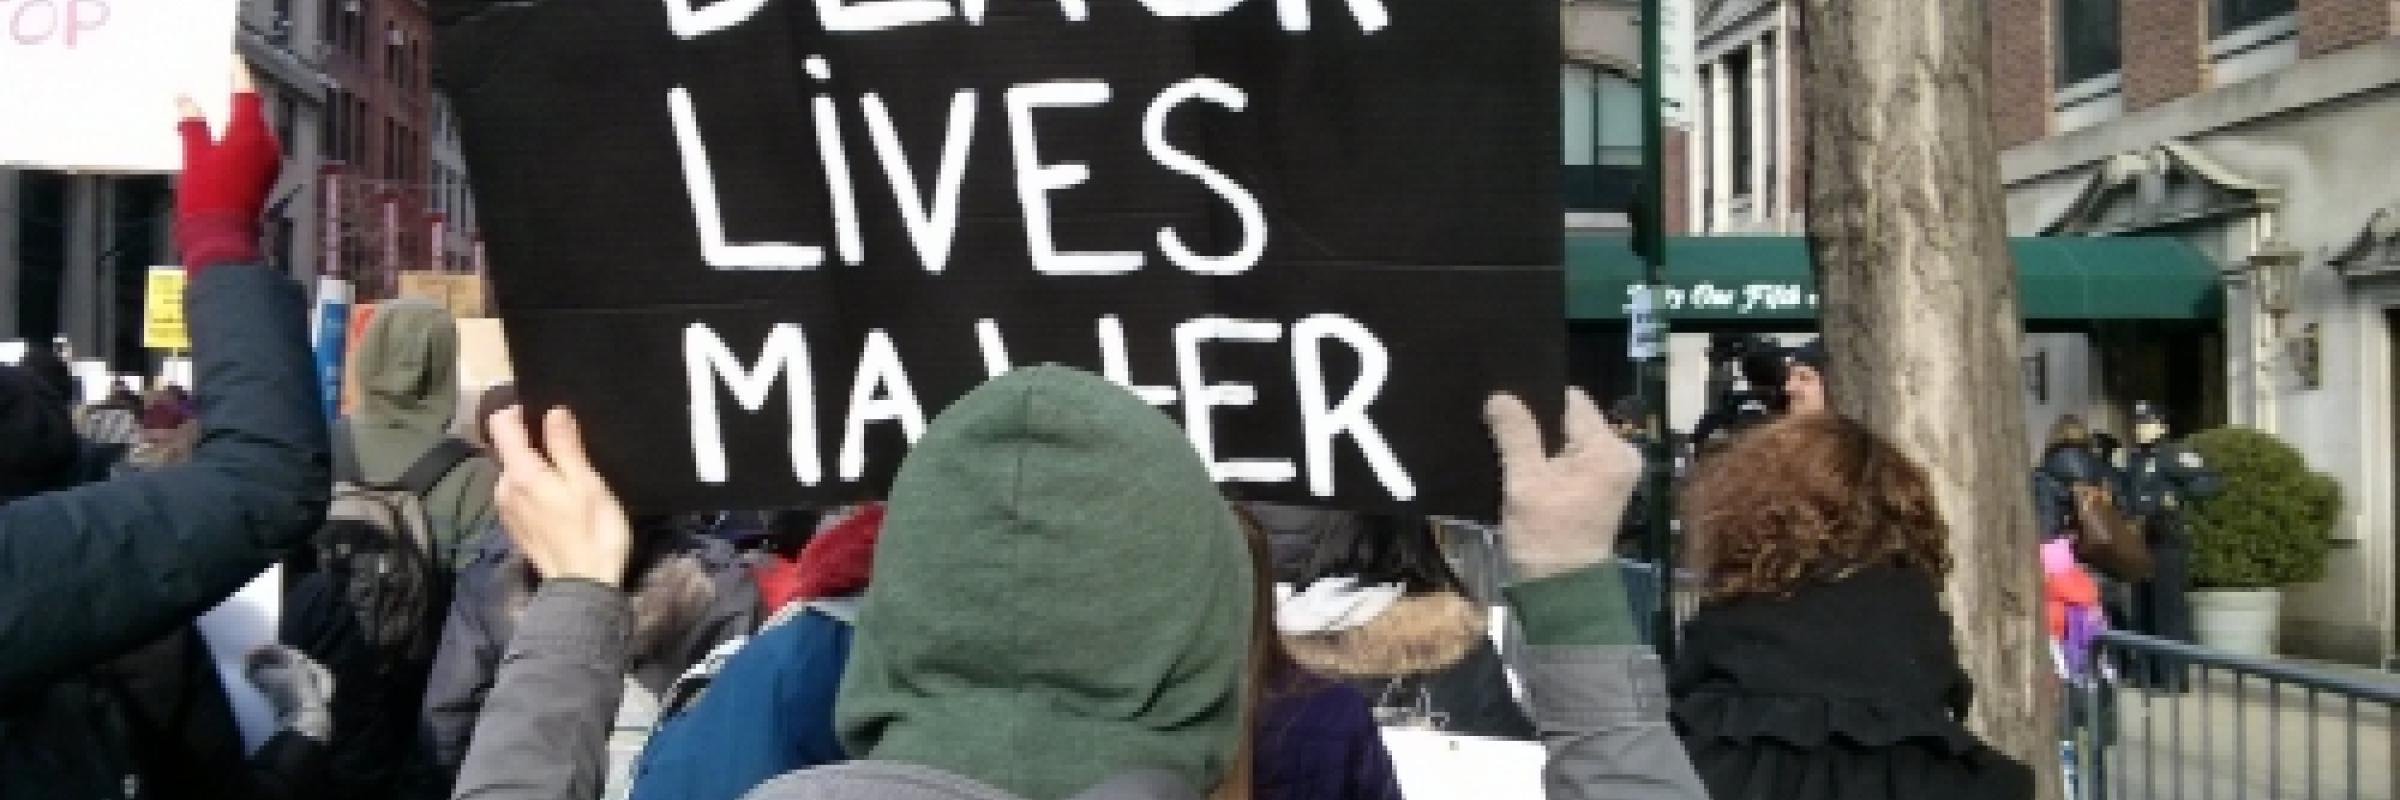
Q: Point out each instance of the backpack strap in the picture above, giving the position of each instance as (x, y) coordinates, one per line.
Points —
(438, 461)
(345, 455)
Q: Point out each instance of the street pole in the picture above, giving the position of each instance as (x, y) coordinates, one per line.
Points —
(1659, 474)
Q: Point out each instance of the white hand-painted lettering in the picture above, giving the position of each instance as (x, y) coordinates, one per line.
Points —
(930, 230)
(877, 15)
(882, 393)
(1201, 398)
(1116, 364)
(1320, 422)
(700, 183)
(1036, 180)
(707, 361)
(1245, 208)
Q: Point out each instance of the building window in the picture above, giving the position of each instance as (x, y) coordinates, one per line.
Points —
(287, 118)
(2088, 45)
(2234, 15)
(1741, 128)
(329, 130)
(2253, 38)
(1601, 138)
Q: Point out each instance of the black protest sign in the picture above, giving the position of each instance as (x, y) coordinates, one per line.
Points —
(757, 244)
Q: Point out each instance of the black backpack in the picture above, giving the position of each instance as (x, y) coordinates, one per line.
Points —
(370, 607)
(379, 554)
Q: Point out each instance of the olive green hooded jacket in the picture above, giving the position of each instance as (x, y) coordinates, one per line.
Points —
(406, 368)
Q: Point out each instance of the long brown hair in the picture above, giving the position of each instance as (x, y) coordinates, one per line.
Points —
(1267, 658)
(1809, 499)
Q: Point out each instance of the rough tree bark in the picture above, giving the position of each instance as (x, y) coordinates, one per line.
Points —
(1919, 306)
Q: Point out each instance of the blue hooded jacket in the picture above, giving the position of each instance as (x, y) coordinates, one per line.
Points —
(768, 711)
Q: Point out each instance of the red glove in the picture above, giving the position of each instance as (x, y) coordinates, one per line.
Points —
(225, 185)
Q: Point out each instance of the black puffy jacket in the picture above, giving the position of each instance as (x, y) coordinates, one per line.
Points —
(91, 574)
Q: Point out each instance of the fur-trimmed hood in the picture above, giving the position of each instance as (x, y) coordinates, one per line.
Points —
(1420, 633)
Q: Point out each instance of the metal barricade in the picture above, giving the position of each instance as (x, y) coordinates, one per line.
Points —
(2181, 721)
(1642, 597)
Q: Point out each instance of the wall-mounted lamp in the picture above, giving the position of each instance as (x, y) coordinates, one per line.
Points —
(2275, 268)
(2307, 354)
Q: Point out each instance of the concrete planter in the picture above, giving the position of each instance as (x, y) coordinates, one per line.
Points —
(2241, 621)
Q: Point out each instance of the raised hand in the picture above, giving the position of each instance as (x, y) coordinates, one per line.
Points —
(557, 510)
(1560, 512)
(225, 182)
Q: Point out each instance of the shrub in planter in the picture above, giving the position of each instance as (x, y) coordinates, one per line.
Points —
(2273, 523)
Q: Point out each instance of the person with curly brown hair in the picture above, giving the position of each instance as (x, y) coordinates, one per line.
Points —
(1820, 664)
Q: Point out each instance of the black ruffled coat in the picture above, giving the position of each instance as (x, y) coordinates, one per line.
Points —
(1849, 690)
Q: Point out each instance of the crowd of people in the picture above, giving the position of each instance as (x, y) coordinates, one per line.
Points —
(1054, 600)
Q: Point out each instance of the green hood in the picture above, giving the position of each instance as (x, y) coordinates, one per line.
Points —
(1060, 595)
(407, 370)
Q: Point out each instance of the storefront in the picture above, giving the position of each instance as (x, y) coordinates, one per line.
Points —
(2108, 320)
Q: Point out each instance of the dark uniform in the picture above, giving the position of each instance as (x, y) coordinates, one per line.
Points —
(2162, 479)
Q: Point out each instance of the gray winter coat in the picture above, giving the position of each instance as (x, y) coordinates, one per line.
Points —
(544, 730)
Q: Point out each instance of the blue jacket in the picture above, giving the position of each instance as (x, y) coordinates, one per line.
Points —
(768, 711)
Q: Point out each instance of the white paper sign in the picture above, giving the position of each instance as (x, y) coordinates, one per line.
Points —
(91, 84)
(1679, 76)
(1441, 765)
(1644, 338)
(234, 628)
(92, 377)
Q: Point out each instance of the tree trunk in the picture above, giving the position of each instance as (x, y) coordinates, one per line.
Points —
(1920, 312)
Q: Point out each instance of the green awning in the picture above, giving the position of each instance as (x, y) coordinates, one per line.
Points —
(1767, 278)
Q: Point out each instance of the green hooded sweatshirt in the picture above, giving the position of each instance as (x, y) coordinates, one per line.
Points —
(1060, 595)
(406, 366)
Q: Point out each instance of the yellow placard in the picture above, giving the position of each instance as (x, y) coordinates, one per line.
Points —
(162, 311)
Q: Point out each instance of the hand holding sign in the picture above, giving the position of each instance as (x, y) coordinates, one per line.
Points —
(557, 510)
(225, 182)
(1559, 513)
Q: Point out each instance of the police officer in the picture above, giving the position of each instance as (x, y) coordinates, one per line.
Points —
(2162, 478)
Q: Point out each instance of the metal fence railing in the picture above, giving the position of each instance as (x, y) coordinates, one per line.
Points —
(2183, 722)
(1643, 598)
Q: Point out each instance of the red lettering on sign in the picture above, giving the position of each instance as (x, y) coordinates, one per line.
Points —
(40, 22)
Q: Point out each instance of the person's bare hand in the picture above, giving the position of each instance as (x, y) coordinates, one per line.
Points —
(558, 511)
(1559, 513)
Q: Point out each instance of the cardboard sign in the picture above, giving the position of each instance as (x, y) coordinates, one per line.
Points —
(482, 354)
(461, 293)
(757, 244)
(91, 84)
(162, 310)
